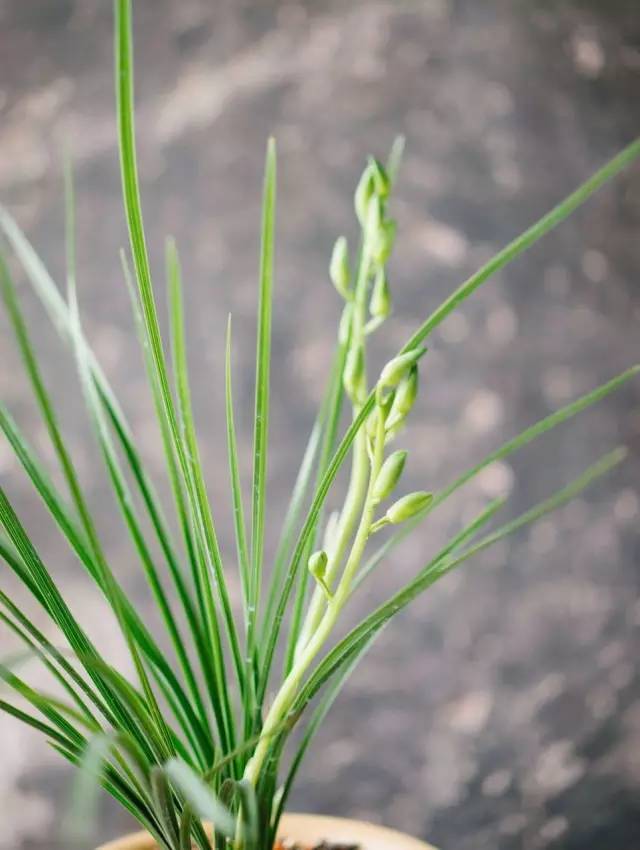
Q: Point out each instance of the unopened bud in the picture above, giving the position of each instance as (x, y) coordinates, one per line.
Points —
(389, 476)
(380, 305)
(318, 564)
(381, 181)
(339, 271)
(396, 369)
(408, 506)
(372, 424)
(382, 241)
(344, 328)
(392, 431)
(404, 398)
(364, 192)
(318, 569)
(373, 223)
(354, 373)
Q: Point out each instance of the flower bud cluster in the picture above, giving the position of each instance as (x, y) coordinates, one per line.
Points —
(379, 235)
(396, 393)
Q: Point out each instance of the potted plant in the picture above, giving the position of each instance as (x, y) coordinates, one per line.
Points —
(203, 735)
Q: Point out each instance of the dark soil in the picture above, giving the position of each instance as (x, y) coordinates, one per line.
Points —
(324, 845)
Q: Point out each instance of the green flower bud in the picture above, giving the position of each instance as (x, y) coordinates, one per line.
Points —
(408, 506)
(380, 304)
(385, 404)
(318, 569)
(396, 369)
(344, 328)
(382, 241)
(381, 181)
(354, 374)
(339, 271)
(364, 192)
(318, 564)
(392, 431)
(404, 398)
(372, 424)
(388, 476)
(373, 222)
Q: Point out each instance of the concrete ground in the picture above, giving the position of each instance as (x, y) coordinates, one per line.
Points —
(503, 709)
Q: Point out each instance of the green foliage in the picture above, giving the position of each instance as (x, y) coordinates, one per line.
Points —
(194, 735)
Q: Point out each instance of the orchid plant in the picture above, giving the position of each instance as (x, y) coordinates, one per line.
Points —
(204, 733)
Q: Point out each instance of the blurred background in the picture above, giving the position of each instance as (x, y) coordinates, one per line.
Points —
(503, 709)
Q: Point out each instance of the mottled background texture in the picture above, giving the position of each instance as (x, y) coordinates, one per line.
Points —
(503, 709)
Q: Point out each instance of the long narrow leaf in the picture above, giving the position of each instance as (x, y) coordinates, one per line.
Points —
(171, 687)
(200, 797)
(80, 819)
(261, 424)
(189, 450)
(242, 548)
(49, 595)
(133, 209)
(165, 804)
(58, 311)
(94, 408)
(40, 648)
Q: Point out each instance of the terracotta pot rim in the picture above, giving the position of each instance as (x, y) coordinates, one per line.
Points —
(311, 828)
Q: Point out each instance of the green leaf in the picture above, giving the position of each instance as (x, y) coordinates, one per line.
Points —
(200, 797)
(66, 523)
(261, 423)
(242, 548)
(101, 430)
(164, 804)
(186, 824)
(606, 463)
(46, 290)
(189, 467)
(39, 580)
(59, 314)
(525, 240)
(79, 822)
(40, 648)
(250, 708)
(189, 451)
(47, 729)
(250, 817)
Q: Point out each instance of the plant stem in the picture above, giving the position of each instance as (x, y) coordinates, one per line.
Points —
(359, 471)
(289, 689)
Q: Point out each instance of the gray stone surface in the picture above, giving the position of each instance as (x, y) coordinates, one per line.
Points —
(503, 709)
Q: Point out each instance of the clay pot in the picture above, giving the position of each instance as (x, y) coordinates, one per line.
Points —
(309, 830)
